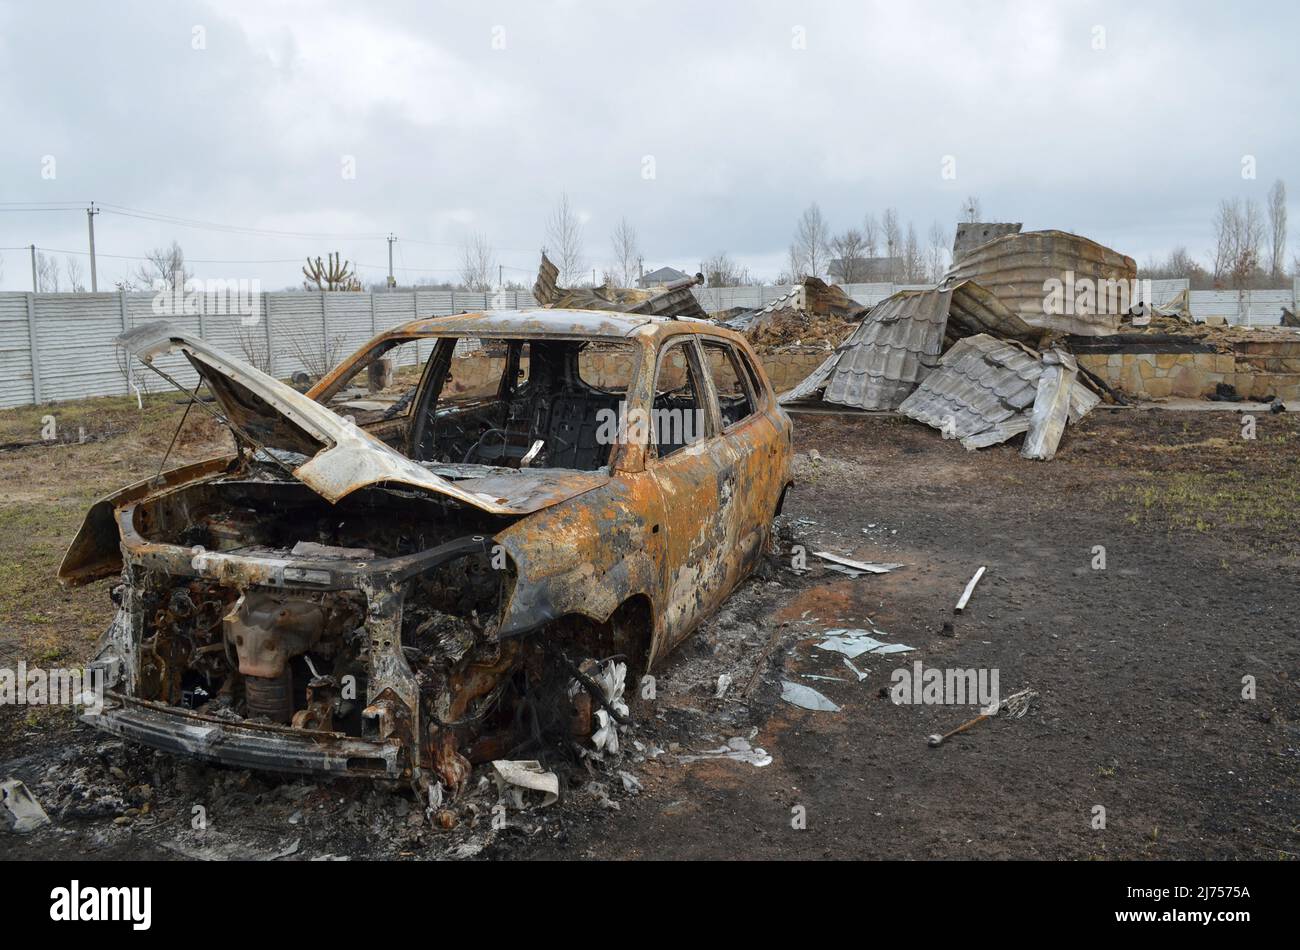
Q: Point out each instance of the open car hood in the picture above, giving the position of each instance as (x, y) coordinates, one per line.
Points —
(340, 457)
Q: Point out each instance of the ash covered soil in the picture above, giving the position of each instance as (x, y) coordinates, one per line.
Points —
(1138, 668)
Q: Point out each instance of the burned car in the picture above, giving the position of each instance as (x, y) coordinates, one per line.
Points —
(429, 557)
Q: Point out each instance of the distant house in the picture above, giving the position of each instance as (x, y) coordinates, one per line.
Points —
(657, 278)
(866, 270)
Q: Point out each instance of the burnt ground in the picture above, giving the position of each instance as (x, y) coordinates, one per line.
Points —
(1138, 669)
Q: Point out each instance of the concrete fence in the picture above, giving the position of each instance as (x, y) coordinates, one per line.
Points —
(60, 346)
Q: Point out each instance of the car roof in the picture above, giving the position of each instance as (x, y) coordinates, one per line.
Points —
(541, 322)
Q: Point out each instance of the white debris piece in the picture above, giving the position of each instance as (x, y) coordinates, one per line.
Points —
(970, 589)
(856, 672)
(738, 750)
(806, 697)
(854, 643)
(724, 683)
(20, 812)
(515, 778)
(866, 567)
(612, 680)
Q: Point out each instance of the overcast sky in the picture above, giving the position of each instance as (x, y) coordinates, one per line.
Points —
(710, 126)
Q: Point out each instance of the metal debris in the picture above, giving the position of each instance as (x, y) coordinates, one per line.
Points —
(806, 697)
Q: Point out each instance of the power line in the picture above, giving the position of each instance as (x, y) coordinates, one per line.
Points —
(199, 224)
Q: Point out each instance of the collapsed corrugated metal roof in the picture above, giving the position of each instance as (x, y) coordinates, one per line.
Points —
(673, 300)
(987, 390)
(1020, 270)
(898, 343)
(894, 348)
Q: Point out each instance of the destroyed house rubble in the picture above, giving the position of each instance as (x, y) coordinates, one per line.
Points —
(974, 356)
(672, 300)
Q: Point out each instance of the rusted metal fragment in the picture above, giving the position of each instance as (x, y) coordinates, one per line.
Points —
(1018, 270)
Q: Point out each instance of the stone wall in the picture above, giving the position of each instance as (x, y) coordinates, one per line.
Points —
(1254, 369)
(479, 373)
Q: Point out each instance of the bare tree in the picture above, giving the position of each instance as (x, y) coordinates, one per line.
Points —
(850, 248)
(72, 270)
(627, 254)
(812, 238)
(1277, 229)
(721, 271)
(564, 242)
(793, 272)
(892, 235)
(1238, 233)
(970, 210)
(47, 274)
(1226, 227)
(913, 262)
(870, 235)
(936, 256)
(318, 355)
(477, 263)
(165, 265)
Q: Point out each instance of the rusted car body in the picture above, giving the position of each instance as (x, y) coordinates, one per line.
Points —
(395, 588)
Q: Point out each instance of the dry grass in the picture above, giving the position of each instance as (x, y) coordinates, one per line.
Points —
(49, 486)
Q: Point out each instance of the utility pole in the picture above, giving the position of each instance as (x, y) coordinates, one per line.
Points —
(391, 282)
(90, 220)
(500, 280)
(35, 288)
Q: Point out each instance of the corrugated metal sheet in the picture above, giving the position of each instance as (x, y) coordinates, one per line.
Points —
(975, 309)
(981, 386)
(894, 348)
(1017, 268)
(986, 390)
